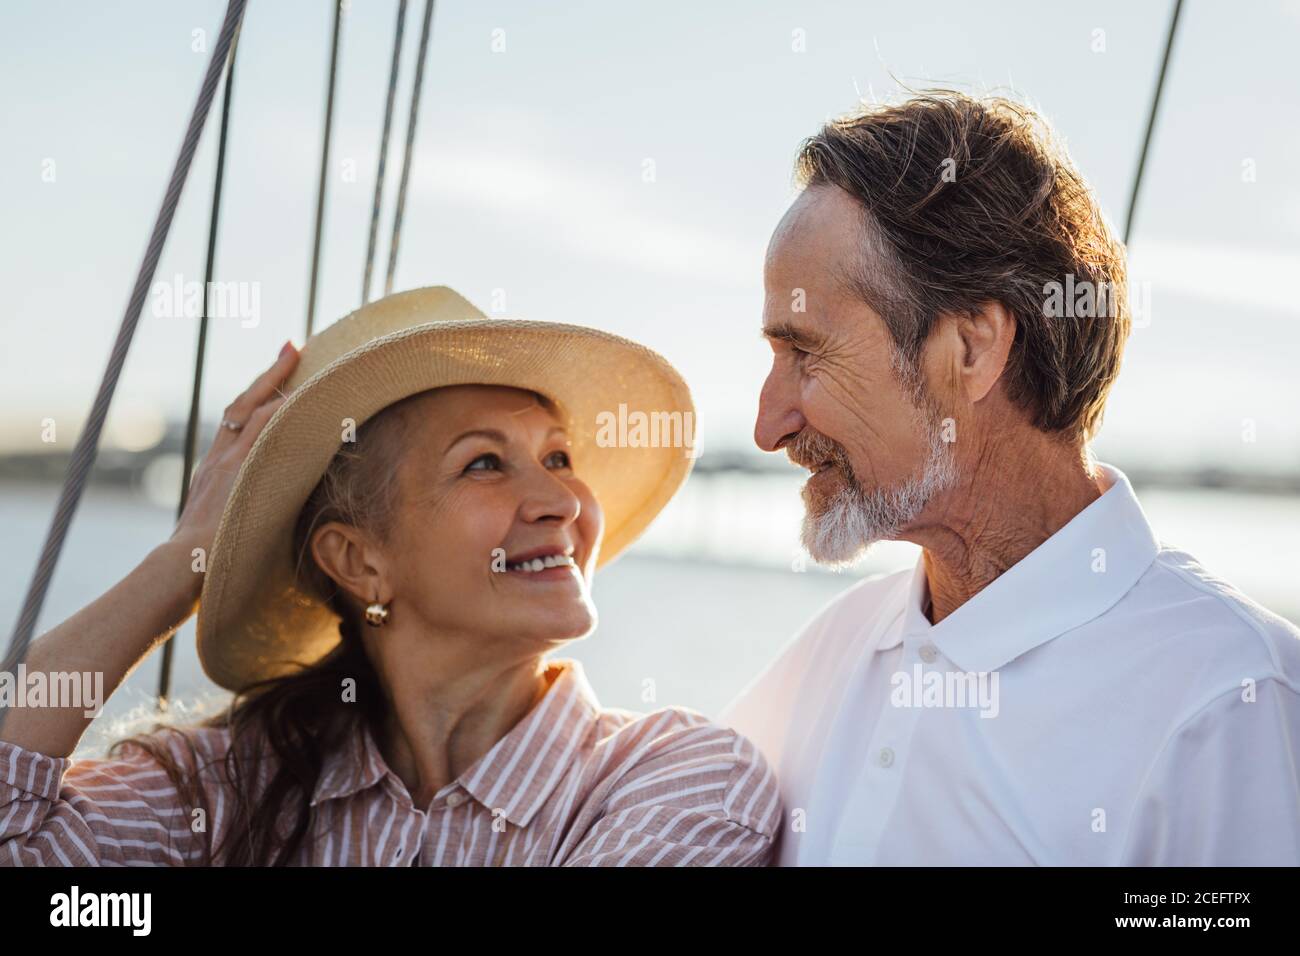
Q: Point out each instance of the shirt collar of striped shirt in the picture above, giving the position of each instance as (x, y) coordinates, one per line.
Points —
(516, 776)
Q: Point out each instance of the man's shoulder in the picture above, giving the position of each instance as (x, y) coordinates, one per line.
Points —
(874, 586)
(1205, 635)
(823, 641)
(1216, 621)
(857, 605)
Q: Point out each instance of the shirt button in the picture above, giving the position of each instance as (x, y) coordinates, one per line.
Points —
(887, 757)
(455, 799)
(928, 653)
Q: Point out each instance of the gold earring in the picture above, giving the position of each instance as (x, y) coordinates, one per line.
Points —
(377, 614)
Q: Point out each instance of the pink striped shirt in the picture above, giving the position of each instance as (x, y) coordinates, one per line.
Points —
(572, 784)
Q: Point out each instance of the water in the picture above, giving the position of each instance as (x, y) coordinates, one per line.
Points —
(688, 616)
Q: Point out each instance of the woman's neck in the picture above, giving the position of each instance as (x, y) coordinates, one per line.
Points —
(445, 711)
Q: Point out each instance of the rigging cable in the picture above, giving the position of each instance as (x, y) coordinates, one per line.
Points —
(1151, 122)
(192, 423)
(324, 167)
(383, 152)
(410, 143)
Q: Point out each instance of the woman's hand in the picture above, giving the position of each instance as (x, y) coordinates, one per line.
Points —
(215, 476)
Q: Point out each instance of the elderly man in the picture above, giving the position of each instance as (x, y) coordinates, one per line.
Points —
(1050, 684)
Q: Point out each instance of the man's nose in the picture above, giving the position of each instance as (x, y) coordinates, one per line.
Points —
(779, 418)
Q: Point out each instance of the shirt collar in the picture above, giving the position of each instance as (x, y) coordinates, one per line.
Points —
(520, 771)
(350, 769)
(1077, 574)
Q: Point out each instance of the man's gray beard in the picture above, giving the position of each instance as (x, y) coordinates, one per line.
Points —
(855, 519)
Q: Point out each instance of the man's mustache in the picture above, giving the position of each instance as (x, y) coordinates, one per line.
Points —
(811, 449)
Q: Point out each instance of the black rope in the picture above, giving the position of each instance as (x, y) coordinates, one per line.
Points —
(410, 143)
(383, 152)
(1151, 122)
(192, 424)
(324, 166)
(83, 455)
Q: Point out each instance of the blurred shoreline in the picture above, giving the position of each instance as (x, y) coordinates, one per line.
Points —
(137, 468)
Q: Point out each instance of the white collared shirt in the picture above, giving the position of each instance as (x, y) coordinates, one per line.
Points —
(1105, 701)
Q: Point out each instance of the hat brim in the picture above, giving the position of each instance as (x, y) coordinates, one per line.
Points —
(254, 620)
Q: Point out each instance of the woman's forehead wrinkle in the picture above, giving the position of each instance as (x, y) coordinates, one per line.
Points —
(562, 422)
(532, 403)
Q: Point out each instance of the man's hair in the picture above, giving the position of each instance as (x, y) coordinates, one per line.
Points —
(969, 201)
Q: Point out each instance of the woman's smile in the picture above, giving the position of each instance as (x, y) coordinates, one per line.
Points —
(539, 559)
(547, 564)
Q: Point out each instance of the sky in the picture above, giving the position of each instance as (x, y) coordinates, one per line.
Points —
(622, 166)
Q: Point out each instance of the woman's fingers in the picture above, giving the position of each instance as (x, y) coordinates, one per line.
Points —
(256, 422)
(215, 477)
(264, 387)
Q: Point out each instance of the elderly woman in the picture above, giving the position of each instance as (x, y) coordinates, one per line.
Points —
(398, 525)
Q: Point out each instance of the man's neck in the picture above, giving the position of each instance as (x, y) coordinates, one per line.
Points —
(1006, 505)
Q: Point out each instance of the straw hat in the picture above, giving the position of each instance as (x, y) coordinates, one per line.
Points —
(253, 621)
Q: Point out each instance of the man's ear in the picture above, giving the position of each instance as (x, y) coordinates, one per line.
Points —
(352, 561)
(983, 342)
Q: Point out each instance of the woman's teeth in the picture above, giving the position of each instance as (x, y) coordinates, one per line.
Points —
(541, 564)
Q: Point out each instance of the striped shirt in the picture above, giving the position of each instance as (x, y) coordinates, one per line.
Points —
(572, 784)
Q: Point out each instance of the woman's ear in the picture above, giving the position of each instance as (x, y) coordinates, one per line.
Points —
(352, 561)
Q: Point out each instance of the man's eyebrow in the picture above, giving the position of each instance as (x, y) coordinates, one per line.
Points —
(493, 435)
(787, 332)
